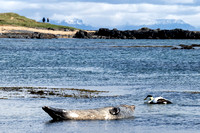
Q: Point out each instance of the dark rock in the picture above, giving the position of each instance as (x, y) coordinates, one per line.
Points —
(46, 36)
(195, 45)
(51, 29)
(186, 46)
(34, 35)
(144, 29)
(103, 32)
(183, 46)
(143, 33)
(83, 34)
(175, 48)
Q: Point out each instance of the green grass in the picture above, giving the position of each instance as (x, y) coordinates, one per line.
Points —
(17, 20)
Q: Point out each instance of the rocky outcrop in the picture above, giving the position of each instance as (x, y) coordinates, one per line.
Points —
(143, 33)
(34, 35)
(183, 46)
(84, 35)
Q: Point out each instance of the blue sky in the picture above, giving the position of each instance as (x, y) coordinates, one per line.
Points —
(107, 13)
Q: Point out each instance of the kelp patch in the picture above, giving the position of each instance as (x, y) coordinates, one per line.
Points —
(45, 92)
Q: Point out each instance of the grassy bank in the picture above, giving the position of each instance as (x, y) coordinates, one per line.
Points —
(17, 20)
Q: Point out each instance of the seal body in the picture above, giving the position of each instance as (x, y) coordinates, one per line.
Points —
(107, 113)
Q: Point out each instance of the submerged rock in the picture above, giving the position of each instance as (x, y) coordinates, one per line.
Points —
(43, 92)
(183, 46)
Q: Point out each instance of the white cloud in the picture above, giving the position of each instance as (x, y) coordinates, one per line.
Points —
(105, 14)
(191, 19)
(102, 14)
(179, 1)
(16, 5)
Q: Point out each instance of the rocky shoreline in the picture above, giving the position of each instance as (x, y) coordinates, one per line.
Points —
(102, 33)
(34, 35)
(143, 33)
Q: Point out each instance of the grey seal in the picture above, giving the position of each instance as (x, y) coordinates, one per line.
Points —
(106, 113)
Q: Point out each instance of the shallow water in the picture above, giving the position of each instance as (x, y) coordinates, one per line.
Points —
(128, 73)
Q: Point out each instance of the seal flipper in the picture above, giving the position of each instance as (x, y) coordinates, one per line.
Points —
(56, 114)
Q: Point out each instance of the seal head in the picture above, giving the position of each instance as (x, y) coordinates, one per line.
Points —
(56, 114)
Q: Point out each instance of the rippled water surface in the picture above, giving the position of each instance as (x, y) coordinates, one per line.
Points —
(128, 73)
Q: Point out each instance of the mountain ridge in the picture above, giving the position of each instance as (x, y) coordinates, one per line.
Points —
(159, 23)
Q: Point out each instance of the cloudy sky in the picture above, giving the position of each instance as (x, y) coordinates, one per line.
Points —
(107, 13)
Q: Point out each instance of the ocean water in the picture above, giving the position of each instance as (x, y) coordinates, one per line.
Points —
(129, 74)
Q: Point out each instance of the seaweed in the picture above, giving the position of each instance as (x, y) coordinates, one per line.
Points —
(44, 92)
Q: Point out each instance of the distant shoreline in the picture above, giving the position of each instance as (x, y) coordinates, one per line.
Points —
(8, 31)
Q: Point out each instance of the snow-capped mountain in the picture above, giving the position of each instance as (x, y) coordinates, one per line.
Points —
(77, 23)
(159, 23)
(162, 24)
(172, 24)
(169, 21)
(74, 21)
